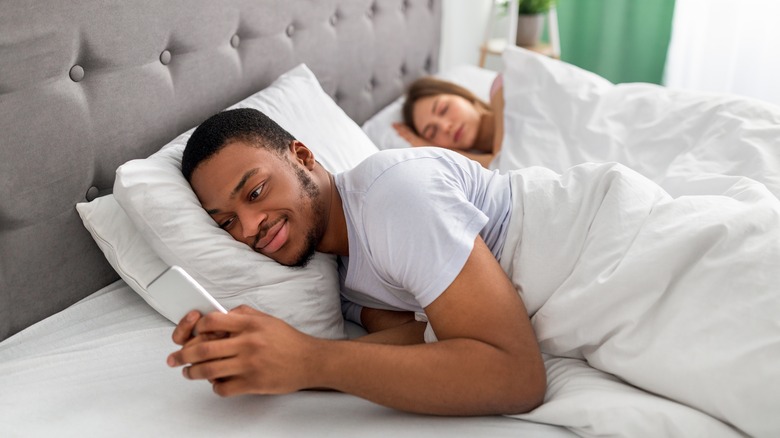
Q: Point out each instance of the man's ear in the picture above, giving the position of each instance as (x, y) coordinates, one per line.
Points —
(302, 154)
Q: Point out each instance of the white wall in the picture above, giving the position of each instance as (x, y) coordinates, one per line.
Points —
(463, 28)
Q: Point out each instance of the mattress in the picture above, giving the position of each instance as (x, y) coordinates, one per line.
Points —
(98, 369)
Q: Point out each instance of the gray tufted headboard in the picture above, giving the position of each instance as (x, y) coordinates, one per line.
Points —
(86, 85)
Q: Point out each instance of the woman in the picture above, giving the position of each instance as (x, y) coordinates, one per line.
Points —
(441, 113)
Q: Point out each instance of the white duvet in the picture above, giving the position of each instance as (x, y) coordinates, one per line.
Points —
(675, 296)
(655, 298)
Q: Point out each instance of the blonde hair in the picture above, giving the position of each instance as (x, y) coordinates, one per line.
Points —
(431, 86)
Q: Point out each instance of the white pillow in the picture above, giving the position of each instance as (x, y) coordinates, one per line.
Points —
(160, 203)
(124, 247)
(379, 128)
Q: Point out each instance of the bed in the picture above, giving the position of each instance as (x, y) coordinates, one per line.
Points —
(88, 86)
(97, 100)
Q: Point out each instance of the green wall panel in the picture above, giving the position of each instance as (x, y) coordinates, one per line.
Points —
(621, 40)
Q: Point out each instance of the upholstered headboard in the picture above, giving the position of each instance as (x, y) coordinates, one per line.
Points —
(86, 85)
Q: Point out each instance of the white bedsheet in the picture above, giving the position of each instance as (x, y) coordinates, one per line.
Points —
(98, 369)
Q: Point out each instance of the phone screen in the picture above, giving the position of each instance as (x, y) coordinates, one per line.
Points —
(176, 293)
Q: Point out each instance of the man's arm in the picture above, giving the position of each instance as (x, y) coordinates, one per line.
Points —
(391, 327)
(487, 360)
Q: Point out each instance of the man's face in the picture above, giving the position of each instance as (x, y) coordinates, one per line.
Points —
(263, 199)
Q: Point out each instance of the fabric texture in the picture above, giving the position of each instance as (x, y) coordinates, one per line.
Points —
(674, 296)
(412, 217)
(123, 246)
(593, 403)
(557, 116)
(165, 211)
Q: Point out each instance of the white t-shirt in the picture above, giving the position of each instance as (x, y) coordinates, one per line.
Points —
(412, 217)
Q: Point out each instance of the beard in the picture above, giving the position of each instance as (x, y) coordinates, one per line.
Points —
(310, 194)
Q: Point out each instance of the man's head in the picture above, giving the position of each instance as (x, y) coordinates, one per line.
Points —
(245, 124)
(258, 183)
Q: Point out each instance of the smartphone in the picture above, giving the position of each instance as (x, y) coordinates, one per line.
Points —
(177, 293)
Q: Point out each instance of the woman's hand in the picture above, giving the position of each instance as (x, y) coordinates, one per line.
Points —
(404, 131)
(245, 351)
(407, 134)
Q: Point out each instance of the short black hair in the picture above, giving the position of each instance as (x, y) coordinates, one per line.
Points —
(244, 124)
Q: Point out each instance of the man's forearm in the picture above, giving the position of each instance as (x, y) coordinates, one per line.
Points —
(453, 377)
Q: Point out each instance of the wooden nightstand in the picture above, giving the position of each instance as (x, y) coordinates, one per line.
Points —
(496, 46)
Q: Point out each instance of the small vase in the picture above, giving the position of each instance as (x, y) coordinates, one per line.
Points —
(529, 29)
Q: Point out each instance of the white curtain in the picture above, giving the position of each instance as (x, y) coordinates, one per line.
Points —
(726, 46)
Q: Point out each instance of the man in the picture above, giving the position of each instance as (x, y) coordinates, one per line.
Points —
(411, 229)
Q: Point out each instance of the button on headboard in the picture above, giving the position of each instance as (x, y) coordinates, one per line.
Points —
(86, 85)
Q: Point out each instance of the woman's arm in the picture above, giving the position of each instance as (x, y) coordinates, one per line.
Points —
(416, 141)
(482, 158)
(407, 134)
(497, 105)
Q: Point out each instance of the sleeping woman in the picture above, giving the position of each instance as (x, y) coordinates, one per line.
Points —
(444, 114)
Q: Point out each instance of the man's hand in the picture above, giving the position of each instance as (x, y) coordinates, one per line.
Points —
(245, 351)
(183, 332)
(487, 360)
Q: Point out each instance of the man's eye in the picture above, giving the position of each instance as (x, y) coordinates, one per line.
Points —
(227, 223)
(254, 194)
(444, 109)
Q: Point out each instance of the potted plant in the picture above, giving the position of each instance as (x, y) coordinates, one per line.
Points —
(530, 22)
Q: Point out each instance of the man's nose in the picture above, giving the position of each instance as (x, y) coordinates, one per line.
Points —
(251, 221)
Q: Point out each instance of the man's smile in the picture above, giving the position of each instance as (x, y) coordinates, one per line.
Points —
(273, 239)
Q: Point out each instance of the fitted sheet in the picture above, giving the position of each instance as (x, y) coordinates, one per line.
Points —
(98, 369)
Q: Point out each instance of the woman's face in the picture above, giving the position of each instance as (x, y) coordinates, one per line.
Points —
(447, 120)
